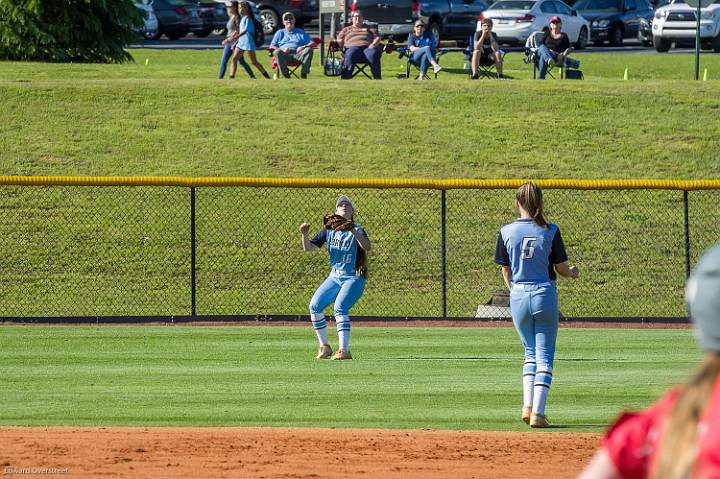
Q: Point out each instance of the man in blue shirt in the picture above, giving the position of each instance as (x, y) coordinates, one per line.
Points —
(292, 45)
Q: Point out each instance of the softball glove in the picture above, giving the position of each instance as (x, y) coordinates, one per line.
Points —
(337, 223)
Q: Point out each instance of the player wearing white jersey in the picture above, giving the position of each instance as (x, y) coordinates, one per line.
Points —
(530, 251)
(346, 282)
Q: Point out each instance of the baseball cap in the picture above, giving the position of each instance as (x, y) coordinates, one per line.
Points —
(702, 295)
(555, 19)
(344, 198)
(288, 16)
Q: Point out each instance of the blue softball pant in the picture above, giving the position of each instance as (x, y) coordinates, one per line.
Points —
(535, 314)
(344, 290)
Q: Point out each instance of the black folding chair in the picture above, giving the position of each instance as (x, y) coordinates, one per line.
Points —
(486, 66)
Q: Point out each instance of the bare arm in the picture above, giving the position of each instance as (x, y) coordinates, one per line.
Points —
(507, 276)
(306, 244)
(568, 271)
(362, 240)
(600, 467)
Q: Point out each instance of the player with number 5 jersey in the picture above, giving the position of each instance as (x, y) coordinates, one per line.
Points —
(530, 252)
(348, 246)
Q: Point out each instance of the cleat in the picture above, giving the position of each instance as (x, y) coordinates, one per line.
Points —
(526, 413)
(341, 354)
(539, 420)
(325, 352)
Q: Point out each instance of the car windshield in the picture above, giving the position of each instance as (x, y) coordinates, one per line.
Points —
(598, 5)
(512, 5)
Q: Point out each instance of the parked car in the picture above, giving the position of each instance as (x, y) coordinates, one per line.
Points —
(515, 20)
(204, 23)
(150, 28)
(173, 18)
(676, 24)
(645, 35)
(614, 20)
(271, 11)
(446, 19)
(221, 18)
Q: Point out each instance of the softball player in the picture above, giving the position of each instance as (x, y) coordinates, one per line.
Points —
(530, 251)
(346, 282)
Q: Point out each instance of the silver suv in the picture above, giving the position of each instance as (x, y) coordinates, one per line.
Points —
(676, 24)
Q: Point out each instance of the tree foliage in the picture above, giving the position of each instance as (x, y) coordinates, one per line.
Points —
(93, 31)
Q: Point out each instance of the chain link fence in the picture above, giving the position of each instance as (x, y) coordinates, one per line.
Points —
(159, 251)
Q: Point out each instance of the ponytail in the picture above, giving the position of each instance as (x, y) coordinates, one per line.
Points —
(678, 452)
(530, 198)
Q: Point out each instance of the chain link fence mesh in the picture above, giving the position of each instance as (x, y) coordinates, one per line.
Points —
(126, 251)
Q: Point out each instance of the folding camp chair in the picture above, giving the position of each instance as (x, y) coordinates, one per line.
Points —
(486, 66)
(335, 59)
(404, 52)
(531, 57)
(292, 65)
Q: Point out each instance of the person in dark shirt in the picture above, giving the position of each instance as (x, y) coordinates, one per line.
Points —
(554, 47)
(486, 47)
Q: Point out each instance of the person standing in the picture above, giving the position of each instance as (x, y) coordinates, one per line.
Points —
(530, 251)
(679, 436)
(233, 32)
(292, 44)
(348, 246)
(246, 40)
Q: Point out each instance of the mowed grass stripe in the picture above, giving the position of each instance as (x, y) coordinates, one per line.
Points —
(468, 378)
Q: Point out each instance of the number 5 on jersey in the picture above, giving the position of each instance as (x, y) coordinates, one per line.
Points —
(528, 250)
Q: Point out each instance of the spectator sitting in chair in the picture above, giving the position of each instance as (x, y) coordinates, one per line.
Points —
(290, 44)
(362, 43)
(421, 44)
(554, 48)
(486, 47)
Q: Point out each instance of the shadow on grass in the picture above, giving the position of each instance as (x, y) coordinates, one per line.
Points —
(577, 426)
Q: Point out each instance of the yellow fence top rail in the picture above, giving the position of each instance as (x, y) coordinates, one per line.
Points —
(686, 185)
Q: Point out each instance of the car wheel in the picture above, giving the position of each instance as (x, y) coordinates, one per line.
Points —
(203, 33)
(270, 20)
(716, 44)
(661, 44)
(154, 34)
(616, 37)
(434, 29)
(582, 39)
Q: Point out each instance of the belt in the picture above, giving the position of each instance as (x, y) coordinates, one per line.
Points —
(341, 272)
(521, 286)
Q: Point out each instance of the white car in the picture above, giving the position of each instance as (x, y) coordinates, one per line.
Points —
(150, 29)
(676, 23)
(515, 20)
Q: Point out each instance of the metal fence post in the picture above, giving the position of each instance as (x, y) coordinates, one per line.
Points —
(687, 234)
(443, 264)
(193, 287)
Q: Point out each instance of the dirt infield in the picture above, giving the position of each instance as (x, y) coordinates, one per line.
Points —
(290, 453)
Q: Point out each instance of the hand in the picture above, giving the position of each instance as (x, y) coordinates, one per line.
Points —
(304, 228)
(575, 271)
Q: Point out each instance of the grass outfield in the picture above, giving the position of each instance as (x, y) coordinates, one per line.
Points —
(440, 378)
